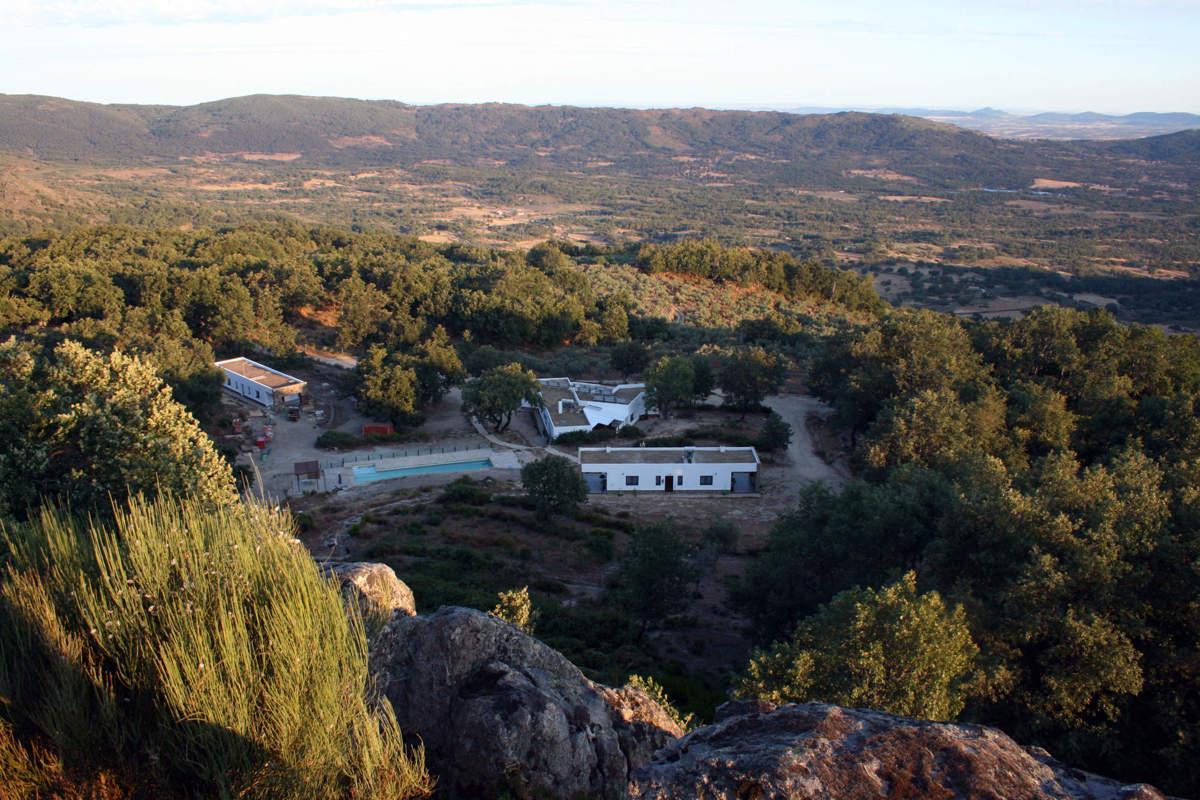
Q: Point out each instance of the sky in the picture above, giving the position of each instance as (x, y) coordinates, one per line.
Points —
(1114, 56)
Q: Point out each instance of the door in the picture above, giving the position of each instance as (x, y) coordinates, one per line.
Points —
(670, 483)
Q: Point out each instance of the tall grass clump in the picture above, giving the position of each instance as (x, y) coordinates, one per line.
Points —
(189, 652)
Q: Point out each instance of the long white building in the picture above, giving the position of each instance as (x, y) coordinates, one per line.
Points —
(260, 383)
(569, 406)
(669, 469)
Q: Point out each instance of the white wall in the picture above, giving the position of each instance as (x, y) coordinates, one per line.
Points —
(687, 476)
(247, 388)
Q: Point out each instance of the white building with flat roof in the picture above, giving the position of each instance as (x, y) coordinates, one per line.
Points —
(669, 469)
(259, 383)
(578, 406)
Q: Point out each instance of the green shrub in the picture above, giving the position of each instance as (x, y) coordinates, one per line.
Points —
(337, 440)
(464, 491)
(516, 501)
(892, 648)
(776, 434)
(659, 695)
(555, 485)
(172, 643)
(516, 607)
(600, 548)
(723, 535)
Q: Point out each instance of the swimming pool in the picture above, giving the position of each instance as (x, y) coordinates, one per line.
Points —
(368, 473)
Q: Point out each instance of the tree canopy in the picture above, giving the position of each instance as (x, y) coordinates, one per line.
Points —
(89, 429)
(1041, 474)
(893, 649)
(554, 483)
(498, 393)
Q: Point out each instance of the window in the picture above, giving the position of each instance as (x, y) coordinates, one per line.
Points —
(631, 480)
(256, 394)
(658, 480)
(706, 480)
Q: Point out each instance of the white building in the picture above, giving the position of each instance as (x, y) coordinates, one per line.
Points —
(669, 469)
(569, 406)
(260, 383)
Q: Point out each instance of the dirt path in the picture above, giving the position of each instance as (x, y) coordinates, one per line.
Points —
(805, 464)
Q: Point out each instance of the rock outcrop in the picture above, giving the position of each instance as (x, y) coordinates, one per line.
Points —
(499, 711)
(375, 586)
(804, 752)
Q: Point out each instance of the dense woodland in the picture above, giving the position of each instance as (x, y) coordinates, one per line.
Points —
(882, 193)
(1028, 488)
(1042, 473)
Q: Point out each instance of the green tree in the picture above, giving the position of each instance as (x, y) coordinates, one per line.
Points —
(437, 366)
(892, 649)
(614, 323)
(388, 387)
(924, 429)
(776, 433)
(1039, 418)
(362, 310)
(907, 353)
(555, 484)
(654, 574)
(498, 393)
(703, 379)
(629, 358)
(669, 383)
(749, 376)
(87, 429)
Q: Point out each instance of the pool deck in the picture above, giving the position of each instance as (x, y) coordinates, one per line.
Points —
(344, 476)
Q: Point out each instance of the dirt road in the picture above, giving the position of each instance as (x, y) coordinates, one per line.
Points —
(805, 464)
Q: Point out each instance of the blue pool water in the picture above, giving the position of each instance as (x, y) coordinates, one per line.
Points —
(368, 473)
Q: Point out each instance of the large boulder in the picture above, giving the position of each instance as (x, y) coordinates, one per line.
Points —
(498, 711)
(804, 752)
(375, 587)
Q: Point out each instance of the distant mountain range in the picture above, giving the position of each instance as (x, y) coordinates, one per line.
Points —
(773, 147)
(1046, 125)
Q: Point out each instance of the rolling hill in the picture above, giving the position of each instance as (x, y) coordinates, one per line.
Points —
(343, 132)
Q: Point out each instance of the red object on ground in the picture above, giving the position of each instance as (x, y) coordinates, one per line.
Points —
(378, 428)
(261, 442)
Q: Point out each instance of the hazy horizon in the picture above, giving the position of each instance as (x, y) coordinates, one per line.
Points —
(784, 107)
(1109, 56)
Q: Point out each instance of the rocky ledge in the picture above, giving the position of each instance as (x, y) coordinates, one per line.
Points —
(499, 712)
(814, 751)
(374, 587)
(502, 714)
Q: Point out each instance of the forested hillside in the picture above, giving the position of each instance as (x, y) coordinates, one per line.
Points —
(1042, 474)
(325, 131)
(1027, 489)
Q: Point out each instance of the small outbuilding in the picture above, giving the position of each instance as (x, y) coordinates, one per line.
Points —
(261, 384)
(307, 474)
(669, 469)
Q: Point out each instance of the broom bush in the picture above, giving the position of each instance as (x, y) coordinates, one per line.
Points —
(189, 652)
